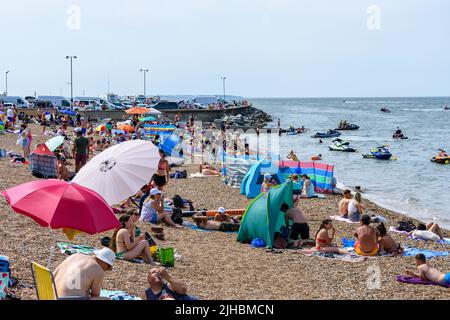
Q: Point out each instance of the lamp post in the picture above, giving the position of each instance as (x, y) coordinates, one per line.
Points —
(223, 84)
(71, 78)
(144, 71)
(6, 77)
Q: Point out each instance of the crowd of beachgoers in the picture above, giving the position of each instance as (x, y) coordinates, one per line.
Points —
(184, 211)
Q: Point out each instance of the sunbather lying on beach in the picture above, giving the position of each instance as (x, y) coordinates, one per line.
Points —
(121, 242)
(163, 286)
(431, 231)
(366, 238)
(153, 209)
(428, 273)
(80, 275)
(207, 170)
(202, 222)
(387, 243)
(324, 240)
(300, 224)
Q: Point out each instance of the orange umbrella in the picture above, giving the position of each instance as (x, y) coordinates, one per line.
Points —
(137, 110)
(125, 127)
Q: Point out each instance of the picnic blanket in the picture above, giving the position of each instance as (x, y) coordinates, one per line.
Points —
(70, 248)
(117, 295)
(411, 252)
(414, 280)
(349, 257)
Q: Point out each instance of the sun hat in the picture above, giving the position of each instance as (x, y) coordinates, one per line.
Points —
(155, 191)
(106, 255)
(221, 210)
(267, 176)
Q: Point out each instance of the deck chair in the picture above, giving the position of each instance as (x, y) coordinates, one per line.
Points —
(45, 284)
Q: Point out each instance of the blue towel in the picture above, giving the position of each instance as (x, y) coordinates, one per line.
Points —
(194, 227)
(348, 243)
(118, 295)
(411, 252)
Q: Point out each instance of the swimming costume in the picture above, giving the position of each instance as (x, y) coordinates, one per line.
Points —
(358, 250)
(301, 229)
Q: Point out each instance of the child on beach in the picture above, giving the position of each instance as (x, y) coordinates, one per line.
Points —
(428, 273)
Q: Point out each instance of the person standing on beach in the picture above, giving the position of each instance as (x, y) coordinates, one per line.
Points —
(80, 151)
(300, 224)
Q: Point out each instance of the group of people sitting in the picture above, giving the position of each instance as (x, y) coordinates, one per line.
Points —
(351, 207)
(304, 188)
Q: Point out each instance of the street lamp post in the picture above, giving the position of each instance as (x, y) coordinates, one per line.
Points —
(6, 89)
(223, 83)
(144, 71)
(71, 78)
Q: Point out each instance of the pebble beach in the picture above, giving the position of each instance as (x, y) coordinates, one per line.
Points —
(213, 264)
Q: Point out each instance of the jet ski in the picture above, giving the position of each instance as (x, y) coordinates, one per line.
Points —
(442, 157)
(399, 136)
(340, 145)
(328, 134)
(386, 110)
(446, 108)
(381, 153)
(348, 126)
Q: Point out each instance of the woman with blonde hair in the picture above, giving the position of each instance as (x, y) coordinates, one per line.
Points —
(355, 208)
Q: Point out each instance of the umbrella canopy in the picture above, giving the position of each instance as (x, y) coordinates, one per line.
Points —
(105, 121)
(55, 142)
(147, 119)
(125, 127)
(59, 204)
(153, 111)
(103, 127)
(121, 170)
(137, 110)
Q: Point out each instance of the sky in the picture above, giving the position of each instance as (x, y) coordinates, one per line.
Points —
(265, 48)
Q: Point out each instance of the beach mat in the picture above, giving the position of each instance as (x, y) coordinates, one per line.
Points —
(70, 248)
(339, 218)
(117, 295)
(429, 254)
(350, 257)
(414, 280)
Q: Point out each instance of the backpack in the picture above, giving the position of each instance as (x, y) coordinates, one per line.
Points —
(177, 216)
(407, 226)
(178, 201)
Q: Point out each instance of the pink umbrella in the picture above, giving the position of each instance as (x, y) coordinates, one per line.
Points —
(60, 204)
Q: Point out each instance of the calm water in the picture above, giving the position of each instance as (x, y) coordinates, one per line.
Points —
(412, 185)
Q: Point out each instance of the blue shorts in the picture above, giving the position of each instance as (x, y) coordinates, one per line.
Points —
(83, 131)
(447, 279)
(154, 218)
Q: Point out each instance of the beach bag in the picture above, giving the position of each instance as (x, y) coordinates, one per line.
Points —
(407, 226)
(177, 216)
(178, 201)
(166, 256)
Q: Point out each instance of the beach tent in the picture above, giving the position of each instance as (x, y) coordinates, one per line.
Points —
(235, 169)
(252, 181)
(263, 216)
(169, 146)
(43, 163)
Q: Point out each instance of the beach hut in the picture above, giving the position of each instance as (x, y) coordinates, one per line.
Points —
(263, 216)
(43, 163)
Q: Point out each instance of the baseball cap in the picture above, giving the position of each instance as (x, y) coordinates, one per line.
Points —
(267, 176)
(106, 255)
(221, 210)
(155, 191)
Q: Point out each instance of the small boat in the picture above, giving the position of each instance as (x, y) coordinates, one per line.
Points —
(386, 110)
(340, 145)
(442, 157)
(328, 134)
(293, 131)
(446, 108)
(381, 153)
(348, 126)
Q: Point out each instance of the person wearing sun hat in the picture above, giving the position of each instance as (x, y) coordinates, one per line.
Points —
(81, 275)
(221, 216)
(268, 183)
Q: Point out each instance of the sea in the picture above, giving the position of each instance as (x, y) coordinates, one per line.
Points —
(412, 184)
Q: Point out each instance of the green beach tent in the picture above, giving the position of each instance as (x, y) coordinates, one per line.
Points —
(263, 217)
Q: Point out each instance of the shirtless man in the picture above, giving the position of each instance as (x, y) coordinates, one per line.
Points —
(428, 273)
(81, 275)
(366, 238)
(300, 226)
(63, 172)
(343, 204)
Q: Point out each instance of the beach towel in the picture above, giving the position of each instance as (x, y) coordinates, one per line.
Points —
(414, 280)
(349, 257)
(4, 283)
(198, 175)
(339, 218)
(194, 227)
(440, 241)
(117, 295)
(70, 248)
(411, 252)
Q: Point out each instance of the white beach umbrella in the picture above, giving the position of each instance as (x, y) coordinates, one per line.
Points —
(120, 171)
(153, 111)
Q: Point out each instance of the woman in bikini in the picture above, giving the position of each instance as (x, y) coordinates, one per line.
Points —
(125, 246)
(387, 244)
(161, 177)
(324, 240)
